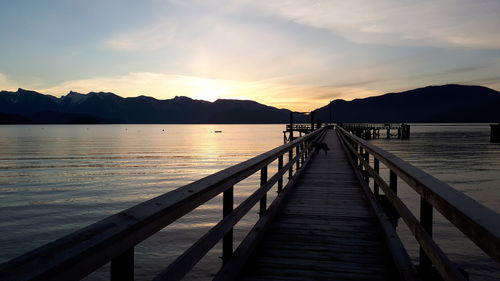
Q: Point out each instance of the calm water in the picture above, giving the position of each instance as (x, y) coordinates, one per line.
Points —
(56, 179)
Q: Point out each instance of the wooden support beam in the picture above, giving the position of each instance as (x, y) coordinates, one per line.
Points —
(302, 153)
(366, 176)
(426, 222)
(122, 267)
(393, 181)
(280, 166)
(227, 208)
(263, 200)
(376, 167)
(297, 152)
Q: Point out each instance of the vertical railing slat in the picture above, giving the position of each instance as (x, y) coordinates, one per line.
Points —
(376, 167)
(393, 182)
(280, 166)
(302, 153)
(426, 222)
(263, 200)
(227, 208)
(297, 152)
(122, 267)
(366, 157)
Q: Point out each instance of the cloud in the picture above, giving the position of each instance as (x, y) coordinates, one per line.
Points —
(393, 22)
(264, 40)
(220, 47)
(152, 38)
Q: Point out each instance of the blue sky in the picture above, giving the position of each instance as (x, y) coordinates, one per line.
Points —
(298, 54)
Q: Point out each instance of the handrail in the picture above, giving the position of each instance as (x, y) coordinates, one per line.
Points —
(76, 255)
(480, 224)
(370, 125)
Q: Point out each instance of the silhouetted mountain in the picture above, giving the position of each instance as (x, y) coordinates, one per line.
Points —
(26, 106)
(6, 118)
(447, 103)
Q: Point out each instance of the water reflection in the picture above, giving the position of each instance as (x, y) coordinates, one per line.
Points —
(56, 179)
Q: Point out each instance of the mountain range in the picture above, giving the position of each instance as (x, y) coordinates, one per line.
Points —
(433, 104)
(26, 106)
(447, 103)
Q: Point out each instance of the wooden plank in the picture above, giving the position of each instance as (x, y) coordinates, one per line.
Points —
(181, 266)
(440, 260)
(405, 267)
(281, 273)
(325, 230)
(479, 223)
(230, 270)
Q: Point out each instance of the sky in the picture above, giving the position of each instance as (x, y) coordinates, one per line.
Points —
(296, 54)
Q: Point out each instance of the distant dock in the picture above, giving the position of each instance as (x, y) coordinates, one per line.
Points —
(334, 218)
(368, 131)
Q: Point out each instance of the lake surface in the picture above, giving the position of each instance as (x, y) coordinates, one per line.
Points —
(58, 178)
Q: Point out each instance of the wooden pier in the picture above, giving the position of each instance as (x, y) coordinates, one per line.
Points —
(372, 131)
(326, 230)
(334, 218)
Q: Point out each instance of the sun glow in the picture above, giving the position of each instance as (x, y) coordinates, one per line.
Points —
(209, 90)
(277, 93)
(208, 94)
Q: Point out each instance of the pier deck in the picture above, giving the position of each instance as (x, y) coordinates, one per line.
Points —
(326, 230)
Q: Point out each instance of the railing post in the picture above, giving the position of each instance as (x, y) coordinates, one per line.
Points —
(263, 200)
(366, 156)
(426, 222)
(122, 267)
(306, 154)
(290, 170)
(280, 180)
(393, 182)
(302, 153)
(393, 185)
(360, 153)
(353, 153)
(297, 152)
(376, 167)
(227, 208)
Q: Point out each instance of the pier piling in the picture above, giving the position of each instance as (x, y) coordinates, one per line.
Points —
(495, 133)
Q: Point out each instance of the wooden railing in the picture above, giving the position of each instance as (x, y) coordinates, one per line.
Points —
(480, 224)
(370, 125)
(113, 239)
(298, 127)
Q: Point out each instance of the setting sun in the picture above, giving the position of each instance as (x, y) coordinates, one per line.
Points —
(207, 89)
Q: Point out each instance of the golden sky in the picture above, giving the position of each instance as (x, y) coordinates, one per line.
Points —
(297, 54)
